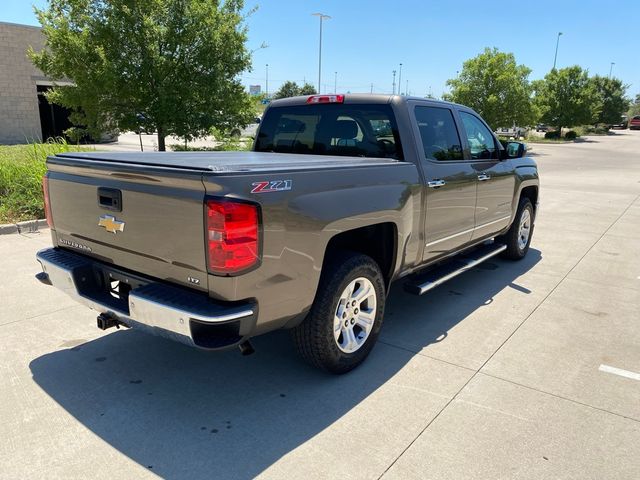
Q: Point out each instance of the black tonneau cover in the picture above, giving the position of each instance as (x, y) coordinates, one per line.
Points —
(219, 162)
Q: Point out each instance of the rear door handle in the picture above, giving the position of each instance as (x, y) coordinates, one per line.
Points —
(484, 177)
(436, 183)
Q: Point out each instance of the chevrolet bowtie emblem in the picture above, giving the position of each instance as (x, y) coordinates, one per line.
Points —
(110, 223)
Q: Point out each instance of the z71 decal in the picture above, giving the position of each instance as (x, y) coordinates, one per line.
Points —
(272, 186)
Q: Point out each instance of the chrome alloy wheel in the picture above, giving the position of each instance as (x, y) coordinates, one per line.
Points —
(355, 315)
(525, 229)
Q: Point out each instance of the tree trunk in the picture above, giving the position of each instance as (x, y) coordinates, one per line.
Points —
(161, 135)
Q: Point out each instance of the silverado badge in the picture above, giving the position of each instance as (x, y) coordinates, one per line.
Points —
(110, 223)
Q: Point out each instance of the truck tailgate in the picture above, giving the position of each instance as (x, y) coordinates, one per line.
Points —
(149, 220)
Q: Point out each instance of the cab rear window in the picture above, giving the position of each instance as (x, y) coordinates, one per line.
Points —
(331, 129)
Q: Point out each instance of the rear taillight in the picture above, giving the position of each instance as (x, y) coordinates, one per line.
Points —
(47, 202)
(326, 99)
(233, 243)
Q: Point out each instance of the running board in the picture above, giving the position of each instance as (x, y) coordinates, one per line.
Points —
(423, 282)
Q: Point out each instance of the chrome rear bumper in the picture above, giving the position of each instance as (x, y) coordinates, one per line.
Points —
(173, 312)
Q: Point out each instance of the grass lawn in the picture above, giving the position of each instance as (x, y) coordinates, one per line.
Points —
(21, 171)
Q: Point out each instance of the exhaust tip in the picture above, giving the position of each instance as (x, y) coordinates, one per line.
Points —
(246, 348)
(43, 277)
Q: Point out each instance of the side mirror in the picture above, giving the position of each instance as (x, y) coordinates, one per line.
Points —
(515, 150)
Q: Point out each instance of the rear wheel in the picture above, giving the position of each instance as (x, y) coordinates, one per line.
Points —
(518, 238)
(346, 316)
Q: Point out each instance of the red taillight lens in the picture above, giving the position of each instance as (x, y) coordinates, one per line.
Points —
(232, 236)
(326, 99)
(47, 202)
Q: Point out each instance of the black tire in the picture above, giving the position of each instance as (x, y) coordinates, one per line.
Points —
(314, 337)
(514, 249)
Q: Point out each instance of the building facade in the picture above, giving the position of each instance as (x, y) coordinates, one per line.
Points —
(20, 81)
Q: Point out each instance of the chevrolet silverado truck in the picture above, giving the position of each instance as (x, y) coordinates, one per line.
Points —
(341, 196)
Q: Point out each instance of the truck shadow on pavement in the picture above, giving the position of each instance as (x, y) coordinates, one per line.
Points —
(183, 413)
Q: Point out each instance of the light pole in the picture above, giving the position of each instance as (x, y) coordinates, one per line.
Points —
(400, 81)
(322, 17)
(371, 88)
(555, 57)
(335, 82)
(611, 68)
(394, 83)
(267, 81)
(406, 90)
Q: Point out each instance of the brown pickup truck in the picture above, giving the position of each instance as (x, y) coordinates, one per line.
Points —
(341, 195)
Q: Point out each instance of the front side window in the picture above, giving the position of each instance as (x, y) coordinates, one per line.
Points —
(481, 141)
(331, 129)
(440, 139)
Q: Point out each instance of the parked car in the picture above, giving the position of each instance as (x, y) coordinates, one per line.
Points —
(634, 123)
(515, 132)
(541, 127)
(342, 196)
(623, 123)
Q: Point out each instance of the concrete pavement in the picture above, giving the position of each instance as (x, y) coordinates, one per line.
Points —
(496, 374)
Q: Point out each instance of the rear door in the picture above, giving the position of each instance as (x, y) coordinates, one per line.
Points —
(450, 181)
(496, 178)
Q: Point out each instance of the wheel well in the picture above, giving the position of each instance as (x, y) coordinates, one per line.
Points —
(377, 241)
(531, 193)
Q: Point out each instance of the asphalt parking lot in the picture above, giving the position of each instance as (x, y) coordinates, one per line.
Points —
(513, 370)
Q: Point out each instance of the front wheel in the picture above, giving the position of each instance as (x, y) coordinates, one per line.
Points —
(346, 316)
(518, 237)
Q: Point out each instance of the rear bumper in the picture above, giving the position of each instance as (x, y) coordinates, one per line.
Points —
(177, 313)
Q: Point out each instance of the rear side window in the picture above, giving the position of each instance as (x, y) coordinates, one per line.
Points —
(438, 132)
(481, 141)
(331, 129)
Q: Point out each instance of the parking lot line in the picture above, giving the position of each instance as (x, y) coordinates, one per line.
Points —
(620, 372)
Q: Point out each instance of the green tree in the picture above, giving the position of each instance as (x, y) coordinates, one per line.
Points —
(287, 89)
(496, 87)
(292, 89)
(567, 97)
(634, 108)
(307, 89)
(612, 99)
(167, 65)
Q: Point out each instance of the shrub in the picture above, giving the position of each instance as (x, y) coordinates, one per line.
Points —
(596, 130)
(553, 134)
(571, 135)
(21, 170)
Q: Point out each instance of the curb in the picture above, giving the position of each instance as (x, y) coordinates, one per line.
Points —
(28, 226)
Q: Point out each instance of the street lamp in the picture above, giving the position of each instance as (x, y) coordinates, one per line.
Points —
(322, 17)
(611, 68)
(267, 81)
(400, 81)
(556, 55)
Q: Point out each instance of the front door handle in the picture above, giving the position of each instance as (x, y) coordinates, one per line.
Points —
(436, 183)
(483, 177)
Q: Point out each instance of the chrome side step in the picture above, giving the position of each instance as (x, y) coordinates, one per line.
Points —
(423, 282)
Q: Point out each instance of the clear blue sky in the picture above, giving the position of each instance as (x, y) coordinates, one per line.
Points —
(365, 40)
